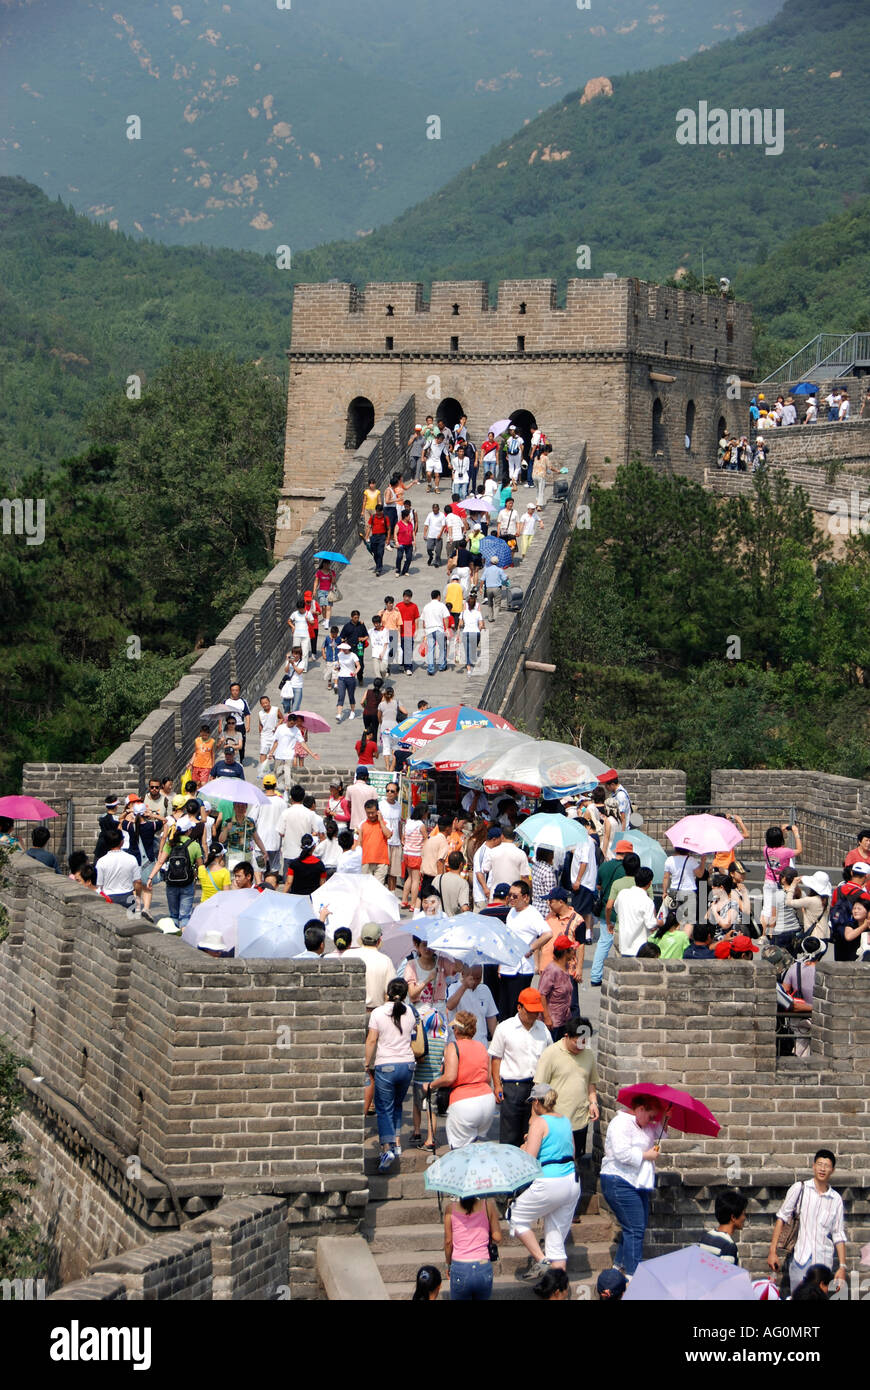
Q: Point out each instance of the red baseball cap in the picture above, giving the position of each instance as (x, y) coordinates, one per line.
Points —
(562, 943)
(744, 943)
(722, 950)
(624, 847)
(308, 594)
(531, 1001)
(611, 775)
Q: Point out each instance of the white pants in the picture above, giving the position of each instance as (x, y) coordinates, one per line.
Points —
(554, 1199)
(469, 1119)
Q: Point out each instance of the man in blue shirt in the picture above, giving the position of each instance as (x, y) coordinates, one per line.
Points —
(230, 766)
(699, 948)
(493, 579)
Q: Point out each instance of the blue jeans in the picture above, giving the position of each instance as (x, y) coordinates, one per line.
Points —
(347, 686)
(179, 899)
(602, 951)
(391, 1087)
(470, 1282)
(292, 702)
(436, 648)
(630, 1206)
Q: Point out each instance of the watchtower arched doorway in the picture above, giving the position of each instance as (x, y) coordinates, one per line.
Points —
(658, 428)
(360, 420)
(526, 425)
(450, 411)
(690, 423)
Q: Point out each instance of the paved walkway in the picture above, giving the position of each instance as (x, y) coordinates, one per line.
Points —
(362, 589)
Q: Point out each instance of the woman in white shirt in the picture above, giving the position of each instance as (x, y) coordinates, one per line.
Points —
(471, 625)
(683, 872)
(628, 1174)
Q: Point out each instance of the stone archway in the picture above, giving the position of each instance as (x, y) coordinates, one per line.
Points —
(360, 419)
(450, 411)
(526, 425)
(690, 423)
(658, 426)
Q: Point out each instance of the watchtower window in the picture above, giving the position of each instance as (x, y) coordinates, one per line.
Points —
(666, 347)
(715, 354)
(454, 344)
(667, 312)
(658, 430)
(691, 318)
(521, 342)
(691, 349)
(690, 423)
(523, 307)
(388, 344)
(729, 332)
(456, 311)
(389, 311)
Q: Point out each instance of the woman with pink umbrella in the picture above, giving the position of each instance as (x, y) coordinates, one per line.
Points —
(15, 808)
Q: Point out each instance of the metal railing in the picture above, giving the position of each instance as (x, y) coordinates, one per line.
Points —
(826, 839)
(810, 356)
(853, 349)
(61, 830)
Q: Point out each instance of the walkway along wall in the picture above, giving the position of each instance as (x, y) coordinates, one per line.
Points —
(161, 1081)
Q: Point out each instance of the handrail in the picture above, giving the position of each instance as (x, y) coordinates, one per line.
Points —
(819, 349)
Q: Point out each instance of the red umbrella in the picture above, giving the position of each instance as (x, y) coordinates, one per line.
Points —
(682, 1111)
(25, 808)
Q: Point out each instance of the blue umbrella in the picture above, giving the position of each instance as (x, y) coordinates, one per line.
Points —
(334, 555)
(804, 388)
(552, 831)
(482, 1170)
(494, 546)
(648, 850)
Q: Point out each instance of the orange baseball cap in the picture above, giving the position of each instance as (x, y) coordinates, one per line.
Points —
(624, 847)
(531, 1001)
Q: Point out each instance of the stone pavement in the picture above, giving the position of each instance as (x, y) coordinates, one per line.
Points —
(361, 588)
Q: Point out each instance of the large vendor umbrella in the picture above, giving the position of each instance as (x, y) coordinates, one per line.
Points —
(482, 1170)
(493, 547)
(690, 1275)
(271, 928)
(426, 724)
(648, 851)
(552, 831)
(220, 913)
(334, 555)
(353, 900)
(448, 752)
(704, 834)
(25, 808)
(682, 1111)
(471, 938)
(235, 790)
(537, 768)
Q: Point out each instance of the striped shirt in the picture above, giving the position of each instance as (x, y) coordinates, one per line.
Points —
(821, 1223)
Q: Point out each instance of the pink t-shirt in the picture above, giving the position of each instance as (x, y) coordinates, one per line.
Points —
(394, 1043)
(470, 1235)
(775, 860)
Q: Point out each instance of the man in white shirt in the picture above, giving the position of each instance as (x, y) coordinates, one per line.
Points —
(295, 821)
(514, 450)
(236, 701)
(379, 647)
(267, 819)
(516, 1048)
(504, 860)
(461, 473)
(433, 531)
(508, 521)
(455, 527)
(524, 921)
(267, 718)
(357, 794)
(845, 407)
(118, 874)
(473, 995)
(584, 877)
(350, 859)
(392, 813)
(436, 617)
(379, 968)
(288, 737)
(635, 914)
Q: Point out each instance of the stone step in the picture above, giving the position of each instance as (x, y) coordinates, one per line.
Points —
(424, 1211)
(505, 1289)
(390, 1187)
(400, 1266)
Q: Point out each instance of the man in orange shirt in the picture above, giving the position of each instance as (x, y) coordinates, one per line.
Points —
(374, 836)
(391, 619)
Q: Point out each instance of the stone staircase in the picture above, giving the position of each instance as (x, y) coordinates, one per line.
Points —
(405, 1230)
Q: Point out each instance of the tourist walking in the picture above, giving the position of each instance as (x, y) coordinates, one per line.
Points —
(466, 1075)
(628, 1174)
(471, 1226)
(568, 1065)
(821, 1232)
(516, 1048)
(390, 1061)
(555, 1195)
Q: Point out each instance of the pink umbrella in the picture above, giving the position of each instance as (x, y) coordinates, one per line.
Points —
(314, 723)
(682, 1111)
(704, 834)
(25, 808)
(477, 504)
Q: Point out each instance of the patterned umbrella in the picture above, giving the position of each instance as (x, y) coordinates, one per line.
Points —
(448, 752)
(471, 937)
(535, 768)
(689, 1275)
(482, 1170)
(419, 728)
(494, 546)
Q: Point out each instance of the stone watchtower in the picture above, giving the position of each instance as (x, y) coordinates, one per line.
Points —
(630, 367)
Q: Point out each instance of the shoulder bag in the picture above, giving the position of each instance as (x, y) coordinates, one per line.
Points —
(790, 1229)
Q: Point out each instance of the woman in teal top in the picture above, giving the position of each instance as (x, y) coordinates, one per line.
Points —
(554, 1195)
(670, 938)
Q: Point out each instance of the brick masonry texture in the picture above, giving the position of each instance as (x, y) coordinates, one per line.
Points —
(710, 1031)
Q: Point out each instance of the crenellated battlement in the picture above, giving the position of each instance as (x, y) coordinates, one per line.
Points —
(621, 315)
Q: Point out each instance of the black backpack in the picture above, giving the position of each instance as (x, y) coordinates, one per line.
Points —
(179, 869)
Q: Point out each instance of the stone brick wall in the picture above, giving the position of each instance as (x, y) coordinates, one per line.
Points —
(820, 443)
(709, 1028)
(170, 1079)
